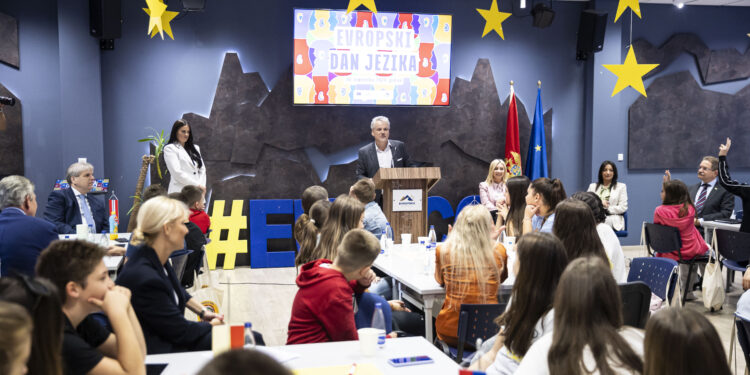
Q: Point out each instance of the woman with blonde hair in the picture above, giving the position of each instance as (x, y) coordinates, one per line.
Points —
(346, 213)
(15, 342)
(158, 298)
(470, 265)
(492, 189)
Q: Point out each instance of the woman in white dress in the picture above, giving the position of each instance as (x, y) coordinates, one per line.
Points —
(614, 195)
(183, 159)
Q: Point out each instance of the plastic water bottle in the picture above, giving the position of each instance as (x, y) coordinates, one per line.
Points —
(249, 337)
(383, 242)
(378, 322)
(389, 233)
(432, 235)
(113, 224)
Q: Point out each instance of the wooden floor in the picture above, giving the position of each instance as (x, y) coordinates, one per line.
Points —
(264, 297)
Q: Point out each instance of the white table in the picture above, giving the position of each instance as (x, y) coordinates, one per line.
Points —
(112, 262)
(342, 353)
(709, 226)
(406, 265)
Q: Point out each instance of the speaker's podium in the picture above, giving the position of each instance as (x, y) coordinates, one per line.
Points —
(405, 198)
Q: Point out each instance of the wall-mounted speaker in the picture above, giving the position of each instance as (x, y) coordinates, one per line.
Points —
(590, 33)
(543, 15)
(105, 18)
(193, 5)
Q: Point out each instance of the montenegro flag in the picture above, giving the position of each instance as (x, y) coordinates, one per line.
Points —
(512, 141)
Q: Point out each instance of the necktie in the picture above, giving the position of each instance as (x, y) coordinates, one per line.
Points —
(87, 211)
(701, 198)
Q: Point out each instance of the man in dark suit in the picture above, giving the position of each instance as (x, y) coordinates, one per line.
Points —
(383, 152)
(22, 236)
(711, 200)
(70, 207)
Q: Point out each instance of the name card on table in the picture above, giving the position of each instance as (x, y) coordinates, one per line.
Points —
(407, 200)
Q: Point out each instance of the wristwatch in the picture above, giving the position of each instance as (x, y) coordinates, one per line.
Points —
(202, 313)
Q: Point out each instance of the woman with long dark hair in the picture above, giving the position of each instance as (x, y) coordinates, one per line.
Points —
(576, 229)
(606, 235)
(542, 197)
(589, 336)
(511, 211)
(183, 159)
(614, 195)
(540, 263)
(346, 213)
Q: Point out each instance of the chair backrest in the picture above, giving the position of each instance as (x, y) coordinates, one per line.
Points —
(471, 199)
(660, 274)
(624, 231)
(179, 261)
(477, 321)
(663, 239)
(636, 300)
(743, 335)
(733, 245)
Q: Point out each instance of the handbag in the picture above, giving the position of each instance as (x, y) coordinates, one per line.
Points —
(207, 291)
(713, 282)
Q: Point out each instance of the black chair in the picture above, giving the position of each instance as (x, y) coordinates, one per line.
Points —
(660, 274)
(743, 335)
(624, 231)
(666, 239)
(476, 321)
(636, 300)
(734, 247)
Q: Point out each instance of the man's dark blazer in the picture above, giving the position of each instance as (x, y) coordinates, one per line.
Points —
(22, 238)
(367, 159)
(62, 211)
(719, 204)
(163, 321)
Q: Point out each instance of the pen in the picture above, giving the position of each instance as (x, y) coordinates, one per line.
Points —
(353, 369)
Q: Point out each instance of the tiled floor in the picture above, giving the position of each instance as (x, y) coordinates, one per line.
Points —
(264, 297)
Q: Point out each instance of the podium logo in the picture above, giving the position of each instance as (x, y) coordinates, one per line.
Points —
(406, 198)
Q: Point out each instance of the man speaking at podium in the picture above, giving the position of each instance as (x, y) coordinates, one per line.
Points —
(383, 153)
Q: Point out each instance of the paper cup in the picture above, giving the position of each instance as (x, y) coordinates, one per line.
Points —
(82, 231)
(368, 341)
(405, 238)
(220, 339)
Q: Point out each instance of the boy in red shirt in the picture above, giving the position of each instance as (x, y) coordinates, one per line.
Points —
(194, 197)
(323, 309)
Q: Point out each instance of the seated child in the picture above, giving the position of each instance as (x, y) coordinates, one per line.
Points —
(244, 362)
(323, 309)
(195, 200)
(77, 269)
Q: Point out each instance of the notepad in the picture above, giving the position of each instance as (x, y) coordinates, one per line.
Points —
(362, 369)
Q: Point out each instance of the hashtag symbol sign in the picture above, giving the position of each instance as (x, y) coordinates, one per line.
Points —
(232, 245)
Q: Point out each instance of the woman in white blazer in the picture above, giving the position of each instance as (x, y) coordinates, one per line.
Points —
(614, 195)
(183, 159)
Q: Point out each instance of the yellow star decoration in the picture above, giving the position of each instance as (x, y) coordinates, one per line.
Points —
(624, 4)
(493, 19)
(159, 18)
(354, 4)
(630, 73)
(538, 148)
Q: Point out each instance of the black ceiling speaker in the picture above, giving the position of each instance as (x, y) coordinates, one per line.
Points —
(543, 15)
(193, 5)
(105, 18)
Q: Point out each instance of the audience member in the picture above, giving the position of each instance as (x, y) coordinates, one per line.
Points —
(195, 239)
(69, 207)
(195, 198)
(374, 221)
(158, 298)
(22, 236)
(513, 207)
(15, 342)
(322, 310)
(741, 190)
(41, 299)
(77, 269)
(183, 159)
(470, 265)
(606, 235)
(540, 263)
(492, 191)
(682, 342)
(244, 362)
(712, 201)
(345, 214)
(310, 196)
(541, 199)
(307, 230)
(588, 336)
(677, 211)
(576, 229)
(613, 194)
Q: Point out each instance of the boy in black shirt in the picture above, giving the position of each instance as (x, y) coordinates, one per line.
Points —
(78, 271)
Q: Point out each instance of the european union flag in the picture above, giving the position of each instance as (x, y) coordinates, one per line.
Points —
(536, 159)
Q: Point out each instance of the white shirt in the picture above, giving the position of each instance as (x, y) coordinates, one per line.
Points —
(385, 157)
(535, 361)
(505, 362)
(614, 251)
(80, 209)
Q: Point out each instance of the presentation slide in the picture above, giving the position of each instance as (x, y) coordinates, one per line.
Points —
(363, 58)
